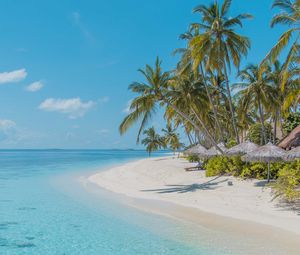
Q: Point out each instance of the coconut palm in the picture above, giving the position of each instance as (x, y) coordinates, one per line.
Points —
(152, 141)
(153, 94)
(218, 44)
(184, 66)
(188, 95)
(171, 138)
(144, 106)
(289, 15)
(256, 92)
(286, 84)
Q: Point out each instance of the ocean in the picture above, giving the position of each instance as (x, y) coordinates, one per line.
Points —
(44, 209)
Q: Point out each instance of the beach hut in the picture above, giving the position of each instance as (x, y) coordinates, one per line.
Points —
(267, 153)
(292, 140)
(293, 154)
(242, 148)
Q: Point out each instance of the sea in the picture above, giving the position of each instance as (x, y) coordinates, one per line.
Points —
(48, 208)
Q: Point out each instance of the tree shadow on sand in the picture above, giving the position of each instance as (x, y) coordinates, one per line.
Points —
(284, 205)
(209, 185)
(281, 204)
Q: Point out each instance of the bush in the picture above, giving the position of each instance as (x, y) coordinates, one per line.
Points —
(260, 170)
(235, 166)
(221, 164)
(216, 166)
(193, 158)
(288, 182)
(231, 143)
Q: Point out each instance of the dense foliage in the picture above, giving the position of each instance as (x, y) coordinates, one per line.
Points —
(255, 133)
(292, 121)
(196, 95)
(288, 182)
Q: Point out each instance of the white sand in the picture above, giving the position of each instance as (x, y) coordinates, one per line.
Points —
(165, 179)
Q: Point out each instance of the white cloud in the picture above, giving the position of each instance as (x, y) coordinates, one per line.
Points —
(13, 76)
(74, 107)
(5, 125)
(35, 86)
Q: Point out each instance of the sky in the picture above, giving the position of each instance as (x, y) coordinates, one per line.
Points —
(65, 66)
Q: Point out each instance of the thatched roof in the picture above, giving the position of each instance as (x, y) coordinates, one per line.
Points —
(242, 148)
(292, 140)
(266, 153)
(195, 150)
(293, 154)
(213, 151)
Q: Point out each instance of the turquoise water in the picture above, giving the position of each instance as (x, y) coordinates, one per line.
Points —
(44, 210)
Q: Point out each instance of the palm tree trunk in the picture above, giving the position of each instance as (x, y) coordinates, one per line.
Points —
(231, 105)
(275, 127)
(185, 116)
(207, 132)
(190, 139)
(262, 120)
(212, 104)
(281, 125)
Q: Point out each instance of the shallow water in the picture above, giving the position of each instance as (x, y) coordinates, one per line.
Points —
(44, 210)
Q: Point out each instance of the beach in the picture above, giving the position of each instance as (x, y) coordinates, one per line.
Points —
(165, 179)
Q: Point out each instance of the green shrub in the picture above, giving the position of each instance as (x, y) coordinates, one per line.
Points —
(193, 158)
(216, 166)
(222, 164)
(231, 143)
(260, 170)
(236, 165)
(288, 182)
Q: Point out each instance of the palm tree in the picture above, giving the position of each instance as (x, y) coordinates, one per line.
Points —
(289, 15)
(143, 107)
(187, 95)
(286, 84)
(152, 141)
(171, 138)
(151, 95)
(219, 45)
(185, 66)
(256, 93)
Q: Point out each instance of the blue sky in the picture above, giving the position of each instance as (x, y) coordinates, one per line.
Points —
(65, 65)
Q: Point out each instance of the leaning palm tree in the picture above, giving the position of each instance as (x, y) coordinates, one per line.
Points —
(289, 15)
(184, 66)
(218, 45)
(152, 141)
(153, 94)
(256, 92)
(188, 95)
(286, 85)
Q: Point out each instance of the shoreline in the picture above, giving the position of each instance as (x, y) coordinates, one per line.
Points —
(162, 186)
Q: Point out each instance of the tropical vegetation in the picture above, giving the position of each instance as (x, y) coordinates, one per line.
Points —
(213, 99)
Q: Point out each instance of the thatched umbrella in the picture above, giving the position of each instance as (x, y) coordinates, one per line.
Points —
(196, 150)
(213, 151)
(267, 153)
(242, 148)
(293, 154)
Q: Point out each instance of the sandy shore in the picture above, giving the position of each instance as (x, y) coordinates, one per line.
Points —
(165, 179)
